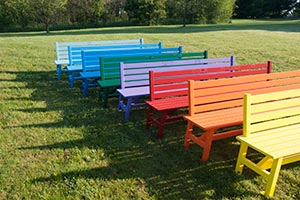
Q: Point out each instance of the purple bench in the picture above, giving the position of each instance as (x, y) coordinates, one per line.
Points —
(135, 78)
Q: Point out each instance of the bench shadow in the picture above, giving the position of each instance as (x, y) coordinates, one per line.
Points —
(291, 25)
(167, 168)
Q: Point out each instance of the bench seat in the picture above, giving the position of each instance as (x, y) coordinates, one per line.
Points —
(89, 74)
(283, 141)
(130, 92)
(169, 103)
(218, 119)
(109, 83)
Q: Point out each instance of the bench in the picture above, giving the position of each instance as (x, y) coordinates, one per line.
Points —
(62, 56)
(169, 90)
(110, 68)
(135, 78)
(91, 62)
(272, 128)
(216, 106)
(75, 56)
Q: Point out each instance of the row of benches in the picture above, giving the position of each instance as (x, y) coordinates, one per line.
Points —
(213, 91)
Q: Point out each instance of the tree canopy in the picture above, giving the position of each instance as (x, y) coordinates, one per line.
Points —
(47, 14)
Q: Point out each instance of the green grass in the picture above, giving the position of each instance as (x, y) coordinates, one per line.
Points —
(55, 144)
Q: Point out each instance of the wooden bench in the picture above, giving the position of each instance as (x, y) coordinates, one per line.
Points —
(75, 56)
(91, 62)
(62, 56)
(110, 68)
(169, 90)
(272, 128)
(135, 78)
(216, 106)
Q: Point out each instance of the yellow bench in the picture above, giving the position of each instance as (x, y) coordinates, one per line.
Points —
(271, 126)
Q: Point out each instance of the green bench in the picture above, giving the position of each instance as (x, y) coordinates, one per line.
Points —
(110, 68)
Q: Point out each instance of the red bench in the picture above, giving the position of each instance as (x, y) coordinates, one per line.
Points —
(169, 90)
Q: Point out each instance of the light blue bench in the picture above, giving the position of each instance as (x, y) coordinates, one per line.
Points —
(91, 62)
(62, 56)
(135, 78)
(75, 55)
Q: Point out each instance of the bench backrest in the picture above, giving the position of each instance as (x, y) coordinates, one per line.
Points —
(91, 58)
(271, 111)
(61, 48)
(110, 65)
(75, 53)
(213, 95)
(175, 83)
(137, 74)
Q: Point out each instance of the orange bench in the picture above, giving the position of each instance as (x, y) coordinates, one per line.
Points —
(169, 90)
(217, 104)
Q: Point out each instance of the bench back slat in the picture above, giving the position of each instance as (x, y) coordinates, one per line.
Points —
(269, 111)
(218, 92)
(91, 59)
(61, 48)
(110, 65)
(163, 84)
(131, 71)
(75, 53)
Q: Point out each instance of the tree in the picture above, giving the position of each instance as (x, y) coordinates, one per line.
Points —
(17, 12)
(84, 11)
(48, 12)
(200, 11)
(217, 11)
(146, 12)
(114, 11)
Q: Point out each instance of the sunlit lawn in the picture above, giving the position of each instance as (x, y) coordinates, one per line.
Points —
(56, 144)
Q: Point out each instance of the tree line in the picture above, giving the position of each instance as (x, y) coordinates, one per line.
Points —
(61, 14)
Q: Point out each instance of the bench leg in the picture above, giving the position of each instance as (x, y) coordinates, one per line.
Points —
(189, 131)
(273, 177)
(207, 144)
(120, 104)
(128, 108)
(242, 156)
(161, 124)
(105, 97)
(71, 79)
(85, 87)
(149, 117)
(58, 71)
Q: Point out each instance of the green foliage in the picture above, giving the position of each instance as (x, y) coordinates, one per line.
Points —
(48, 12)
(84, 12)
(29, 14)
(114, 11)
(146, 12)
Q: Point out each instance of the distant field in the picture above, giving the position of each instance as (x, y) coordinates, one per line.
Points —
(55, 144)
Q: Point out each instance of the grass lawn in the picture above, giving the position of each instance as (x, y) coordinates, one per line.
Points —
(56, 144)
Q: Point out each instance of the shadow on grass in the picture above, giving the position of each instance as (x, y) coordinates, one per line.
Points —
(267, 25)
(170, 171)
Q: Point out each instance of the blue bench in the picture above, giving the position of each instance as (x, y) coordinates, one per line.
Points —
(62, 56)
(135, 78)
(75, 55)
(110, 68)
(91, 62)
